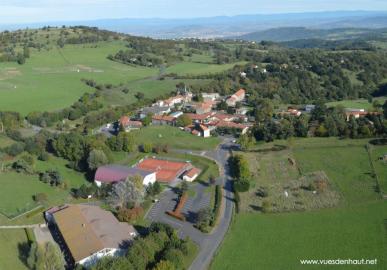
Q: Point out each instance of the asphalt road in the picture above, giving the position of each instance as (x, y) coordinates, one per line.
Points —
(208, 243)
(211, 242)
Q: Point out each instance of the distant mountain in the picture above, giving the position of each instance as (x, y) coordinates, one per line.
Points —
(302, 33)
(223, 26)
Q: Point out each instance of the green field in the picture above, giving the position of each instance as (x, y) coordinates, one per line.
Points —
(152, 88)
(377, 152)
(51, 80)
(17, 191)
(73, 178)
(174, 137)
(279, 241)
(11, 245)
(189, 68)
(355, 229)
(357, 103)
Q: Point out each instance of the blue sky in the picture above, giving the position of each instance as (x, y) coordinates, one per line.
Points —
(21, 11)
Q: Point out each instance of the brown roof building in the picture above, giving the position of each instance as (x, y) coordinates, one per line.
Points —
(91, 233)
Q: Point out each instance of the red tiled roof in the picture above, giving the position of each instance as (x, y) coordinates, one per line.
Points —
(223, 116)
(240, 93)
(195, 116)
(124, 120)
(203, 127)
(166, 171)
(191, 173)
(166, 118)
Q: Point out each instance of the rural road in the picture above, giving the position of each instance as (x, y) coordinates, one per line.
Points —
(211, 242)
(208, 243)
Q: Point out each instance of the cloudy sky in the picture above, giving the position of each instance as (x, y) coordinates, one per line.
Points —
(21, 11)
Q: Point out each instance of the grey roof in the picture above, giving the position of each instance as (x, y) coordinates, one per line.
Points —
(154, 109)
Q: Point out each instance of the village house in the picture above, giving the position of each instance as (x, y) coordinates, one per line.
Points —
(204, 107)
(154, 110)
(198, 129)
(90, 233)
(176, 114)
(191, 174)
(128, 125)
(210, 96)
(237, 97)
(357, 113)
(200, 118)
(161, 120)
(111, 174)
(290, 111)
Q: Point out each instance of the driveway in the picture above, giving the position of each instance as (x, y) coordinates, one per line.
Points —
(208, 243)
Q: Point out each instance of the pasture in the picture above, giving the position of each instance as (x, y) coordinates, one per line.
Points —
(357, 103)
(17, 191)
(191, 68)
(152, 88)
(276, 180)
(380, 165)
(12, 242)
(51, 79)
(174, 137)
(355, 228)
(280, 241)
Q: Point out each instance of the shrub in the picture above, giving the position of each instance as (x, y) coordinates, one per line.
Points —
(266, 206)
(147, 147)
(237, 200)
(129, 215)
(43, 156)
(40, 197)
(15, 149)
(242, 185)
(217, 204)
(175, 256)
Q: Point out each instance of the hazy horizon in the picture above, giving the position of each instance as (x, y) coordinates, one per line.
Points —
(39, 11)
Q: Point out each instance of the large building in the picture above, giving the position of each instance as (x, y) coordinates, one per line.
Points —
(237, 97)
(111, 174)
(166, 171)
(90, 233)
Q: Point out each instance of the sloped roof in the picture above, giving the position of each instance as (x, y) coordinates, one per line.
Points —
(166, 118)
(116, 173)
(192, 172)
(88, 229)
(166, 170)
(240, 93)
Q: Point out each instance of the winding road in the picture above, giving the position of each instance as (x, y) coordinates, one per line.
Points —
(208, 243)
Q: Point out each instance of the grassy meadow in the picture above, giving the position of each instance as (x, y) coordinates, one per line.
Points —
(51, 80)
(151, 87)
(195, 68)
(174, 137)
(11, 245)
(357, 103)
(353, 229)
(18, 189)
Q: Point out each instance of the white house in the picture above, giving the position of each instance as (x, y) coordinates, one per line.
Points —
(191, 175)
(91, 233)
